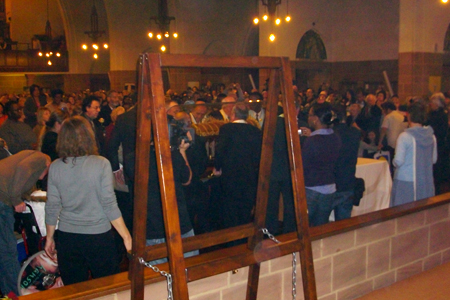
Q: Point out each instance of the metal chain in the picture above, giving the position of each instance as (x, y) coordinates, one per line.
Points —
(294, 275)
(294, 263)
(162, 273)
(271, 236)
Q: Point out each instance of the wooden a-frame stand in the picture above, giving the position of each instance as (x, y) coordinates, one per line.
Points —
(152, 119)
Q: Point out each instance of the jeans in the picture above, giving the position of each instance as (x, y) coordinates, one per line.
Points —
(152, 242)
(319, 207)
(343, 204)
(9, 265)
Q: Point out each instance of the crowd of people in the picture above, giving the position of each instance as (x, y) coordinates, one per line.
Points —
(216, 141)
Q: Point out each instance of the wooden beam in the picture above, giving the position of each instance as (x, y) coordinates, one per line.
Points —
(166, 180)
(141, 180)
(298, 185)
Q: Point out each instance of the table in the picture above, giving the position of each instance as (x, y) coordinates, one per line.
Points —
(378, 184)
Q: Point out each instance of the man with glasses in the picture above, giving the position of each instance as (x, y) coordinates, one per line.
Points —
(18, 135)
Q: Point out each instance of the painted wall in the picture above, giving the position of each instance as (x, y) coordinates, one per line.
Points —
(29, 17)
(423, 24)
(352, 30)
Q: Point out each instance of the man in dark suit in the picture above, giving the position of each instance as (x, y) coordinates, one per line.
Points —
(237, 160)
(124, 134)
(91, 109)
(106, 110)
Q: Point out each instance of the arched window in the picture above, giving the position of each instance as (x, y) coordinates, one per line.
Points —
(311, 47)
(447, 40)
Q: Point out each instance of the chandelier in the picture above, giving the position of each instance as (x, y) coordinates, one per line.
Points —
(48, 54)
(162, 22)
(272, 14)
(94, 34)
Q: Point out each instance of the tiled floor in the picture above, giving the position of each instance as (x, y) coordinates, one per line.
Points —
(430, 285)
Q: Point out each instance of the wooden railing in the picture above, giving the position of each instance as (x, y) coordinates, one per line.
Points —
(236, 257)
(30, 61)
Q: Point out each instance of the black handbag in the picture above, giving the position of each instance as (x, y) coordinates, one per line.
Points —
(358, 191)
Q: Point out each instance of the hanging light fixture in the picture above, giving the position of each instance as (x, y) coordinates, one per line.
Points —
(94, 34)
(271, 15)
(162, 22)
(47, 54)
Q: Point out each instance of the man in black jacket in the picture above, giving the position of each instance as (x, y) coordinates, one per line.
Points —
(237, 160)
(345, 169)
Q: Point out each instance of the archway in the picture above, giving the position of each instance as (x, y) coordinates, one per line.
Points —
(311, 47)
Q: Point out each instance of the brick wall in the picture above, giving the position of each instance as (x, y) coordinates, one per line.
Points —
(347, 266)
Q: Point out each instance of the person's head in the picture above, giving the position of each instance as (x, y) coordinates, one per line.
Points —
(360, 96)
(57, 96)
(113, 98)
(117, 112)
(396, 100)
(43, 114)
(321, 116)
(35, 90)
(255, 101)
(239, 111)
(56, 119)
(437, 101)
(322, 97)
(354, 110)
(350, 95)
(91, 107)
(13, 110)
(228, 104)
(381, 96)
(372, 136)
(417, 113)
(183, 117)
(76, 138)
(199, 112)
(71, 99)
(172, 108)
(388, 106)
(309, 93)
(371, 99)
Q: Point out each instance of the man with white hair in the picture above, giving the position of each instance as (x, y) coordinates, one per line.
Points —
(227, 107)
(438, 120)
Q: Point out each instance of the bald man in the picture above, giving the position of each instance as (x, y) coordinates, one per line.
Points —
(227, 107)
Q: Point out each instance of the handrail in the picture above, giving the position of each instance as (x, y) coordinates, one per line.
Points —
(236, 257)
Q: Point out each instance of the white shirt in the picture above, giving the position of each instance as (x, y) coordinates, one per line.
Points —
(394, 124)
(258, 116)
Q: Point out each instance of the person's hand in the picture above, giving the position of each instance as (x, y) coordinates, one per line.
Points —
(128, 243)
(50, 248)
(184, 146)
(217, 172)
(305, 131)
(118, 175)
(380, 146)
(20, 208)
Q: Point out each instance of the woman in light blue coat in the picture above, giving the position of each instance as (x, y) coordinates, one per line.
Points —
(415, 154)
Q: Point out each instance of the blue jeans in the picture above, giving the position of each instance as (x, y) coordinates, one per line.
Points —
(319, 207)
(152, 242)
(343, 204)
(9, 265)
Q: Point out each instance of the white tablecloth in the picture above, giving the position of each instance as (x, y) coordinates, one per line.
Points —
(378, 184)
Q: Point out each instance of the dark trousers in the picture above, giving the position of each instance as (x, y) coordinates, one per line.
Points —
(80, 253)
(276, 188)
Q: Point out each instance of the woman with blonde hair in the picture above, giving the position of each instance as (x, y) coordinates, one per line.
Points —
(43, 114)
(80, 195)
